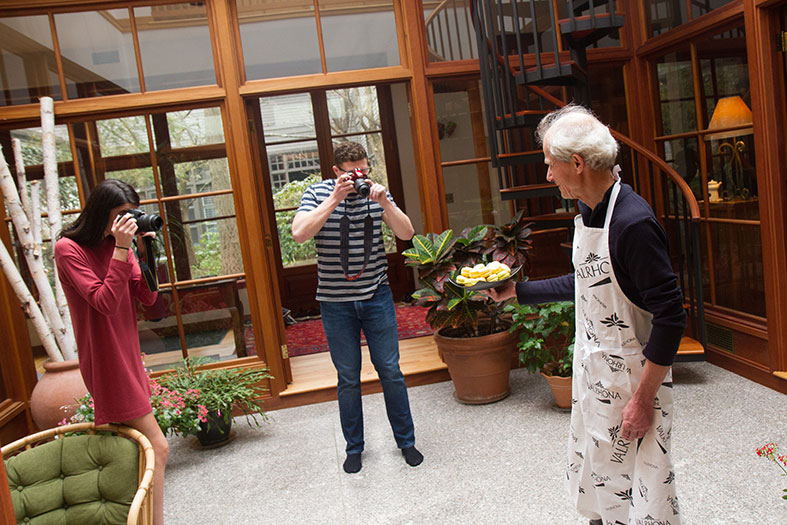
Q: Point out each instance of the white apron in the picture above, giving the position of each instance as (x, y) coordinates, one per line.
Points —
(608, 477)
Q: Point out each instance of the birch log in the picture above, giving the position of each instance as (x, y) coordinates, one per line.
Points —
(21, 177)
(65, 339)
(52, 185)
(29, 305)
(35, 213)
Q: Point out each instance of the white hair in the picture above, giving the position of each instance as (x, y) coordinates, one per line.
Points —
(575, 130)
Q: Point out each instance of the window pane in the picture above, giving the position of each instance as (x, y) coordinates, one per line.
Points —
(664, 15)
(676, 93)
(353, 110)
(682, 156)
(213, 319)
(175, 45)
(287, 117)
(30, 144)
(27, 61)
(737, 258)
(123, 136)
(264, 29)
(103, 64)
(194, 127)
(141, 179)
(464, 200)
(358, 36)
(204, 237)
(157, 326)
(449, 31)
(701, 7)
(293, 253)
(288, 163)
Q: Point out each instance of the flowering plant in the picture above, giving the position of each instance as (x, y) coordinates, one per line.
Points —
(176, 412)
(770, 452)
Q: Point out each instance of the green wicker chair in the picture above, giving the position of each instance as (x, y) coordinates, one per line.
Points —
(81, 474)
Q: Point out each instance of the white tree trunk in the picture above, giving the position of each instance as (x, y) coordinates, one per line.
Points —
(35, 211)
(52, 185)
(65, 338)
(29, 304)
(21, 178)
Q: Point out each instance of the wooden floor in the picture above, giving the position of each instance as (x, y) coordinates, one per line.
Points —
(314, 377)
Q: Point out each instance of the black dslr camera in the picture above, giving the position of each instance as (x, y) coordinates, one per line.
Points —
(362, 187)
(146, 222)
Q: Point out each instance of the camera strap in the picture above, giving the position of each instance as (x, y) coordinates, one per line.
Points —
(148, 267)
(344, 243)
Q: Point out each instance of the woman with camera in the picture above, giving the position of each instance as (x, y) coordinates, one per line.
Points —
(102, 280)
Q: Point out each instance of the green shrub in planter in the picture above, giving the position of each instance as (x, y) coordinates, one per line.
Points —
(546, 337)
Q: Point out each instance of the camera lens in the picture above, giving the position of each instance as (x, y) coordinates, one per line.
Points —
(361, 187)
(146, 222)
(150, 223)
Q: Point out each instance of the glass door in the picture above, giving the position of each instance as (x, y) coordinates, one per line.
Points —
(296, 136)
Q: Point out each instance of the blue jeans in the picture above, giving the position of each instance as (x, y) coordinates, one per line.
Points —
(343, 323)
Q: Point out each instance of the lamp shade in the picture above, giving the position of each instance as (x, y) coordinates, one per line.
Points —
(730, 112)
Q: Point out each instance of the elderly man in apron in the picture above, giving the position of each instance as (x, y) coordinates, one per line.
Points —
(629, 321)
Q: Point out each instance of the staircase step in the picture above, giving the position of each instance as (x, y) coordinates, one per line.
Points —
(524, 118)
(780, 373)
(690, 350)
(565, 73)
(590, 29)
(583, 5)
(529, 191)
(519, 158)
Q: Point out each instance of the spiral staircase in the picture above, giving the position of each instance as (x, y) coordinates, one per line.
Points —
(532, 55)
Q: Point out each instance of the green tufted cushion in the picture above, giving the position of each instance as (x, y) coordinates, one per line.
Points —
(77, 480)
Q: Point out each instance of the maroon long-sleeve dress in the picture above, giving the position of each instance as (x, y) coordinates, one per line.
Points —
(101, 293)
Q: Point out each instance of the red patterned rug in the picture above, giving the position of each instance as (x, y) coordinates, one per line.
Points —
(307, 337)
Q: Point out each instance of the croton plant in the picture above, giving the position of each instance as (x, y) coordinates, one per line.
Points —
(439, 257)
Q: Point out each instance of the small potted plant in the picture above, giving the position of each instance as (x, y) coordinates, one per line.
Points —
(220, 391)
(198, 401)
(470, 333)
(546, 343)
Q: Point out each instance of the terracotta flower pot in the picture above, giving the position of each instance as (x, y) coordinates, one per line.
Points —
(561, 389)
(479, 366)
(60, 386)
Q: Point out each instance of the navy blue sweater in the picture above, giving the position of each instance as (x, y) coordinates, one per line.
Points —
(640, 259)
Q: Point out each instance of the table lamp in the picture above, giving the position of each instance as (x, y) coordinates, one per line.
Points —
(732, 112)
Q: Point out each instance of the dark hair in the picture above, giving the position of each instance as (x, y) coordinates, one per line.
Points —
(89, 227)
(348, 152)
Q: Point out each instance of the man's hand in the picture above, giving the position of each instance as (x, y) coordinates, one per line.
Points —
(378, 193)
(638, 412)
(344, 187)
(505, 291)
(637, 419)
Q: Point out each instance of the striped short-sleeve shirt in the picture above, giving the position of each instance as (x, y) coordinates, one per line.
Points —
(333, 285)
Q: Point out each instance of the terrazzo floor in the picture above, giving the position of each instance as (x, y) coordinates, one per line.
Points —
(493, 464)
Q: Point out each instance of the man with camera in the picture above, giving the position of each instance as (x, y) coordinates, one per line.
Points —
(344, 216)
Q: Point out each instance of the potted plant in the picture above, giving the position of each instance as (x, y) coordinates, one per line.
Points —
(472, 338)
(220, 391)
(198, 401)
(546, 343)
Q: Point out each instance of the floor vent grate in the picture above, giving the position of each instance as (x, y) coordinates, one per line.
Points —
(720, 337)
